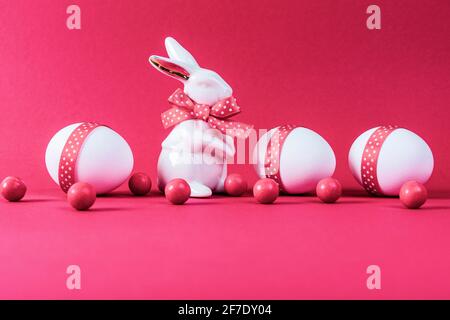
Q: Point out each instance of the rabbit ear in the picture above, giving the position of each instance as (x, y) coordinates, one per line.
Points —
(175, 69)
(177, 52)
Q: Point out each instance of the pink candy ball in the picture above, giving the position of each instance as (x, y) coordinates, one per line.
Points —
(329, 190)
(413, 194)
(266, 191)
(140, 184)
(13, 189)
(81, 196)
(177, 191)
(235, 185)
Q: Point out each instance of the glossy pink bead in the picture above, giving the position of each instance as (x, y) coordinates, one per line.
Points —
(413, 194)
(140, 184)
(266, 191)
(13, 189)
(235, 185)
(329, 190)
(81, 196)
(177, 191)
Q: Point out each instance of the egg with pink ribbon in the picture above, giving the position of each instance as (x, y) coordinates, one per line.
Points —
(89, 152)
(382, 159)
(295, 157)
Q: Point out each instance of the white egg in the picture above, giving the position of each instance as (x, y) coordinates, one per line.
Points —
(105, 159)
(305, 158)
(402, 156)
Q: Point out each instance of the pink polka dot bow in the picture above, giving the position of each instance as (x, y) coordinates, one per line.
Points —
(217, 115)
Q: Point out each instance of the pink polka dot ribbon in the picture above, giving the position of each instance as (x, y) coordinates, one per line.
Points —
(217, 115)
(369, 159)
(273, 153)
(69, 155)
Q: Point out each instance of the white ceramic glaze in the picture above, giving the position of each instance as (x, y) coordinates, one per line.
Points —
(183, 152)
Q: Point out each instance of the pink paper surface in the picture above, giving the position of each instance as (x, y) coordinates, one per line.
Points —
(310, 63)
(224, 248)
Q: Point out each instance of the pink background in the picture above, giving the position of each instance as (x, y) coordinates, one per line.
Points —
(312, 63)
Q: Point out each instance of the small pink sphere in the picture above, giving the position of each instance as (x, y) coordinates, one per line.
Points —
(81, 196)
(140, 184)
(413, 194)
(177, 191)
(266, 190)
(329, 190)
(235, 185)
(13, 189)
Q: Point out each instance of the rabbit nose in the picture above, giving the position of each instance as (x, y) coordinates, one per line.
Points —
(205, 84)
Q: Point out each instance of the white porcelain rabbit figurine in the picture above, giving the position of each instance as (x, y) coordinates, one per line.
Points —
(183, 151)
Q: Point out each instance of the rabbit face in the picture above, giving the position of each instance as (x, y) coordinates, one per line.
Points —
(206, 87)
(201, 85)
